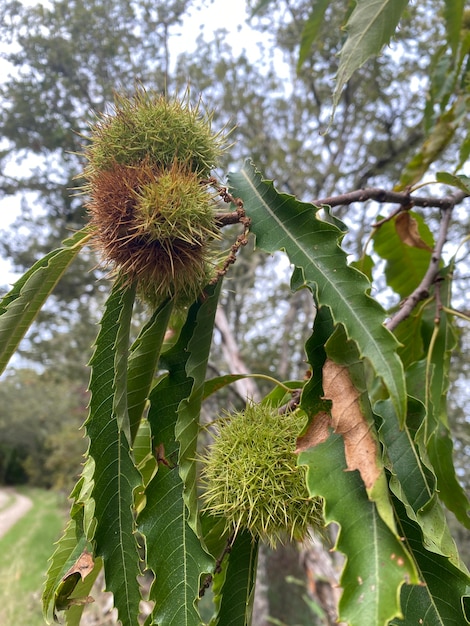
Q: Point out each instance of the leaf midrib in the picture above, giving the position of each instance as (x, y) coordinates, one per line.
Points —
(298, 244)
(372, 24)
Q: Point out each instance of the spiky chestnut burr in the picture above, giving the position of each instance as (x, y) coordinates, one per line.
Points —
(150, 206)
(158, 130)
(251, 477)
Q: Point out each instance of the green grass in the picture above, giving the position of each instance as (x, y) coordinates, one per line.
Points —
(24, 552)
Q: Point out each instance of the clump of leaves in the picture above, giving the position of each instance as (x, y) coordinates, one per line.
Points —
(251, 476)
(151, 209)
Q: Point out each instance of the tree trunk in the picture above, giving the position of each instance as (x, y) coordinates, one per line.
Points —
(322, 568)
(245, 387)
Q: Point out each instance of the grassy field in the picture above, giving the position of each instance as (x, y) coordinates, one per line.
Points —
(24, 552)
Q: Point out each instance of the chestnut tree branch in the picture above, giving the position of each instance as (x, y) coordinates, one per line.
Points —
(407, 201)
(392, 197)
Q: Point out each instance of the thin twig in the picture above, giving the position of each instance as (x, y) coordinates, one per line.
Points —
(401, 209)
(292, 404)
(223, 219)
(405, 200)
(462, 314)
(218, 564)
(392, 197)
(437, 295)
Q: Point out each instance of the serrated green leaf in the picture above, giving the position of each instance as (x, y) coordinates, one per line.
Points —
(366, 450)
(82, 496)
(405, 264)
(69, 547)
(120, 349)
(174, 552)
(73, 615)
(311, 29)
(20, 306)
(72, 592)
(460, 181)
(115, 476)
(365, 265)
(440, 338)
(214, 532)
(412, 481)
(144, 459)
(408, 333)
(435, 432)
(142, 443)
(453, 14)
(378, 564)
(187, 425)
(370, 27)
(280, 222)
(168, 393)
(237, 591)
(441, 453)
(75, 538)
(443, 598)
(415, 375)
(143, 359)
(312, 400)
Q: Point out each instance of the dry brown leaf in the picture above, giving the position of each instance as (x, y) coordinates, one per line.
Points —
(407, 229)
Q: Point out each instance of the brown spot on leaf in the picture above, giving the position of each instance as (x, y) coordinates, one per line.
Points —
(347, 420)
(83, 566)
(79, 571)
(317, 432)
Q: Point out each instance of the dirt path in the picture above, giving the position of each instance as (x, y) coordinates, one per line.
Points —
(17, 506)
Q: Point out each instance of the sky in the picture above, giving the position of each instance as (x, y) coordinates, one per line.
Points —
(219, 14)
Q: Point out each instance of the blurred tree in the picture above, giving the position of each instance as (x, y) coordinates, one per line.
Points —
(40, 418)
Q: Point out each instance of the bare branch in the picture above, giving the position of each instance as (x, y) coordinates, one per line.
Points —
(406, 201)
(393, 197)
